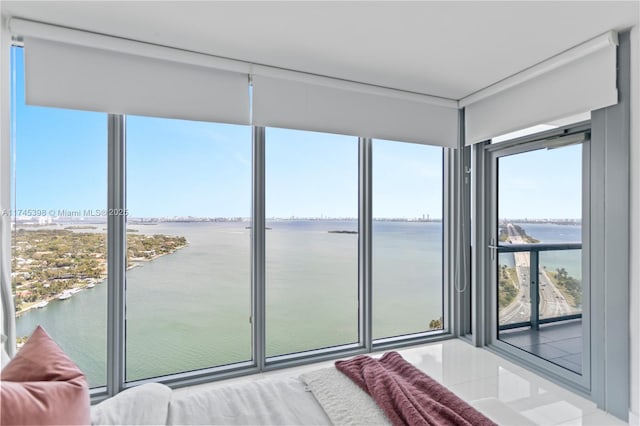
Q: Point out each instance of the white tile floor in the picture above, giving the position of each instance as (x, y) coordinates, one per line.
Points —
(504, 392)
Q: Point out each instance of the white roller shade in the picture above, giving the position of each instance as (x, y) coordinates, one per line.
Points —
(299, 101)
(578, 80)
(70, 75)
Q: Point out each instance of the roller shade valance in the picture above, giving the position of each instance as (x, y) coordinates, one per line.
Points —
(70, 76)
(579, 80)
(76, 70)
(299, 101)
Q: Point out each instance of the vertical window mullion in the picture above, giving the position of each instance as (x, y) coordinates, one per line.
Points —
(116, 253)
(456, 190)
(466, 307)
(258, 248)
(364, 244)
(450, 235)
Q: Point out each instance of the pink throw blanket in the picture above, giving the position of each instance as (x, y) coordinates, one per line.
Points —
(407, 395)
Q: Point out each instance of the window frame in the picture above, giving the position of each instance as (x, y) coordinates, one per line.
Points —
(260, 362)
(320, 352)
(446, 212)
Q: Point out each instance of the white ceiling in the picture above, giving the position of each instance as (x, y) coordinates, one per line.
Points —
(449, 49)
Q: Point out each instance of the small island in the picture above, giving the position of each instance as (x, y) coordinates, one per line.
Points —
(342, 232)
(80, 227)
(50, 264)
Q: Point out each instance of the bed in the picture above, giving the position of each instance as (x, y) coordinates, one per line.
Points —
(359, 391)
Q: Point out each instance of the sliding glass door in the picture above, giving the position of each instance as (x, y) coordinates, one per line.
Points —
(540, 303)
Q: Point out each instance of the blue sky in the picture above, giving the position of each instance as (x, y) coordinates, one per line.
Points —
(541, 184)
(182, 168)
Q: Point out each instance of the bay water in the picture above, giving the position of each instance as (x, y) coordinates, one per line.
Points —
(192, 309)
(570, 260)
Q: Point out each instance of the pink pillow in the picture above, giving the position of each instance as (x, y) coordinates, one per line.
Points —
(41, 385)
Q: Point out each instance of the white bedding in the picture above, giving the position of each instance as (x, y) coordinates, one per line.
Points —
(320, 397)
(263, 402)
(343, 401)
(143, 405)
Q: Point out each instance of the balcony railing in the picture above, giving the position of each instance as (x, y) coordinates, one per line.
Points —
(534, 280)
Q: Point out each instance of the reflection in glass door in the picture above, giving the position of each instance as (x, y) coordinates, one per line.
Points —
(539, 252)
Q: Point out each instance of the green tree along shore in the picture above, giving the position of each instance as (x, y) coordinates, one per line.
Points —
(46, 263)
(435, 324)
(508, 286)
(570, 287)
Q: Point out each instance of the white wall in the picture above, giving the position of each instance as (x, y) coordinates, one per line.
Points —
(634, 416)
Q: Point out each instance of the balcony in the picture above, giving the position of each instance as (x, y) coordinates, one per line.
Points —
(540, 308)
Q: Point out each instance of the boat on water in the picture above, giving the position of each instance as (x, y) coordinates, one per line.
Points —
(91, 285)
(42, 304)
(64, 296)
(75, 290)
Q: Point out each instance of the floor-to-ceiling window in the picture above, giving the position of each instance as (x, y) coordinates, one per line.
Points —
(407, 272)
(311, 239)
(188, 282)
(58, 220)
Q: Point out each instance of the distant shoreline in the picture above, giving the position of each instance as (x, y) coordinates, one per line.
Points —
(50, 264)
(91, 222)
(135, 263)
(88, 222)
